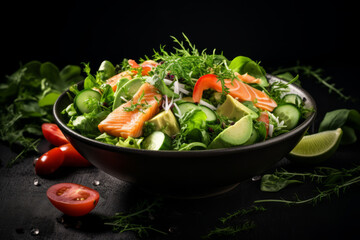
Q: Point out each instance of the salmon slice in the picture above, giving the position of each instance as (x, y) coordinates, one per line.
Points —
(114, 79)
(146, 67)
(239, 90)
(128, 119)
(244, 92)
(247, 78)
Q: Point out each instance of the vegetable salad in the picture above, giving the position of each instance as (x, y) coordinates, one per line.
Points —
(182, 100)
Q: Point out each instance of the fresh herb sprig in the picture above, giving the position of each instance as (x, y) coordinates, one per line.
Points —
(27, 97)
(316, 74)
(141, 106)
(187, 64)
(136, 220)
(331, 180)
(233, 229)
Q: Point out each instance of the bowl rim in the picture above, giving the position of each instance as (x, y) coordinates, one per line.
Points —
(182, 154)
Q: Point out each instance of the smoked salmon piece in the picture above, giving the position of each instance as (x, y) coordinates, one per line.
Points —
(128, 119)
(146, 67)
(247, 78)
(237, 89)
(114, 79)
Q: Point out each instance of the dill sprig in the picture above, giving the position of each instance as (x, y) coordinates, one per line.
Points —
(187, 64)
(331, 180)
(315, 74)
(233, 229)
(136, 220)
(230, 230)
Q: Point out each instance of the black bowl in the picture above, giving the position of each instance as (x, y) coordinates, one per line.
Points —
(186, 173)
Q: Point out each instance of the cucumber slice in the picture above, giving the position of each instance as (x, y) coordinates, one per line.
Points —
(187, 106)
(294, 99)
(288, 113)
(157, 141)
(210, 115)
(86, 100)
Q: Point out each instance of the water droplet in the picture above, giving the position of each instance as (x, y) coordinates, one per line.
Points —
(255, 178)
(96, 182)
(36, 182)
(35, 161)
(34, 231)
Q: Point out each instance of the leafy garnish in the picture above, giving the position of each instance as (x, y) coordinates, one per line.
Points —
(188, 64)
(331, 181)
(29, 95)
(346, 119)
(141, 107)
(315, 74)
(233, 229)
(136, 220)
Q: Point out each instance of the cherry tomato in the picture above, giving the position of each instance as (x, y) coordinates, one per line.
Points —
(73, 157)
(264, 117)
(49, 162)
(53, 134)
(73, 199)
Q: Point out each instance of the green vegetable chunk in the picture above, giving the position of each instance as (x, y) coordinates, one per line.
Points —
(166, 122)
(235, 135)
(235, 110)
(157, 141)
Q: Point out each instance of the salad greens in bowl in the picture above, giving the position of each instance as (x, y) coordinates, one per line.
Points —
(185, 123)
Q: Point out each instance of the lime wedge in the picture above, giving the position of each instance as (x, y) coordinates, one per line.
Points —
(316, 148)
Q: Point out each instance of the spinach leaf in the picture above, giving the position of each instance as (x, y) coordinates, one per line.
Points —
(274, 183)
(244, 65)
(238, 62)
(347, 119)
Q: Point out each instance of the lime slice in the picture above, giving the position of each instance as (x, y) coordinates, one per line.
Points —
(316, 148)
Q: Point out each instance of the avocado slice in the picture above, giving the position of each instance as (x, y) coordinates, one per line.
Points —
(166, 122)
(235, 135)
(127, 90)
(234, 110)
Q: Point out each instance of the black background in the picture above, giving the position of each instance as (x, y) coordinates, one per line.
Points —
(323, 34)
(277, 33)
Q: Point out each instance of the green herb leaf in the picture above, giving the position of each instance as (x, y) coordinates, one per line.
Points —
(274, 183)
(347, 119)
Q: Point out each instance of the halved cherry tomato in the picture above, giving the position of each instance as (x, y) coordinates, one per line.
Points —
(73, 199)
(72, 157)
(53, 134)
(49, 162)
(264, 117)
